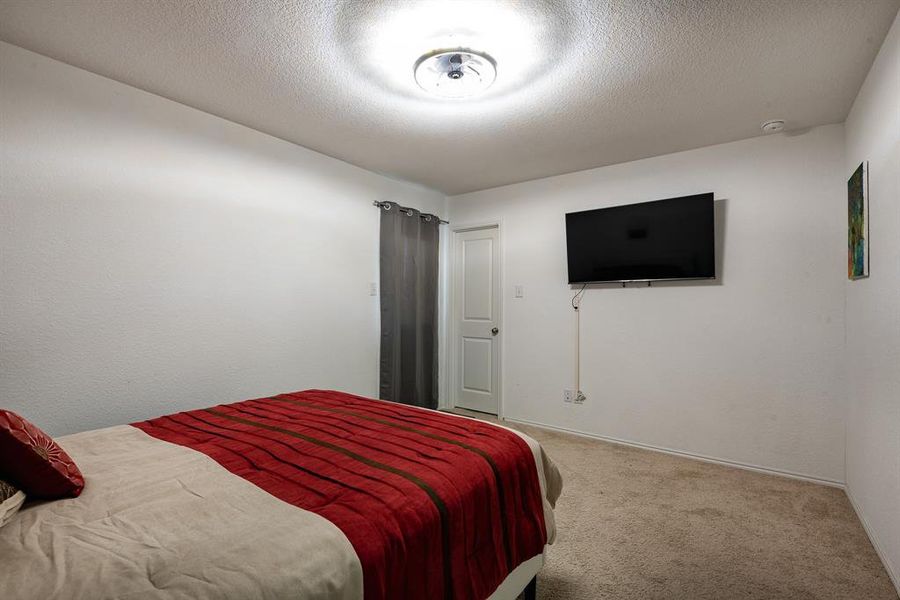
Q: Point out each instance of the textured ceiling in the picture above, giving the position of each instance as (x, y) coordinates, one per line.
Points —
(580, 84)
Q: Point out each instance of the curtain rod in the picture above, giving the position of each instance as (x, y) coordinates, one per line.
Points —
(408, 211)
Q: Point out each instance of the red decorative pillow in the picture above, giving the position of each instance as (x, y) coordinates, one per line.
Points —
(33, 462)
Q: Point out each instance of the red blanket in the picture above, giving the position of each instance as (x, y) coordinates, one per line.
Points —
(435, 506)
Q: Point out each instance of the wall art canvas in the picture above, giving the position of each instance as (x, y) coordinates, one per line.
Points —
(858, 223)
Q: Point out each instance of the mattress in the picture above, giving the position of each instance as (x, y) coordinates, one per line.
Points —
(312, 495)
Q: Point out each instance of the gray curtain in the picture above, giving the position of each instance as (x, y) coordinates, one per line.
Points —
(409, 325)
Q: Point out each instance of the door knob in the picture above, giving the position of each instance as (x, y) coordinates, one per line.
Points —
(495, 331)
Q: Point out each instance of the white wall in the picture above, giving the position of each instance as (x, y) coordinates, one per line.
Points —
(873, 311)
(748, 369)
(154, 258)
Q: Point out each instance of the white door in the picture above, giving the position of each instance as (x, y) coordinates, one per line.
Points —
(475, 316)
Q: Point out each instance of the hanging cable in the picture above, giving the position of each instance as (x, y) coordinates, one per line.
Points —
(576, 299)
(576, 302)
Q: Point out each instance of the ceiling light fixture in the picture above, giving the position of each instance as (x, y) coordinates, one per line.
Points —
(455, 73)
(509, 38)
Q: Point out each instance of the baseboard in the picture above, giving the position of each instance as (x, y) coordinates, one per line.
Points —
(895, 577)
(691, 455)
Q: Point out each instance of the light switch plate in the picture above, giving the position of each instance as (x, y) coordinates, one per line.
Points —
(520, 291)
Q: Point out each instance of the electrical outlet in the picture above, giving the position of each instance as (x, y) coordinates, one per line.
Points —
(579, 397)
(373, 288)
(568, 395)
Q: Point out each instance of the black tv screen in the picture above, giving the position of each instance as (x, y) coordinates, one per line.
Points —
(650, 241)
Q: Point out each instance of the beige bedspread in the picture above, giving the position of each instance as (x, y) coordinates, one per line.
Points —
(158, 520)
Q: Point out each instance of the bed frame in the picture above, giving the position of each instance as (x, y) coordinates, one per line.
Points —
(530, 592)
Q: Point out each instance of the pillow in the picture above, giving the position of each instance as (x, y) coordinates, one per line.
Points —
(33, 462)
(10, 501)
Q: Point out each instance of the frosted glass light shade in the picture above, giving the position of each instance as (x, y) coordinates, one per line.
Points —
(455, 73)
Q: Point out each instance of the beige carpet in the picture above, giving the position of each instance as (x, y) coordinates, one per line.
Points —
(636, 524)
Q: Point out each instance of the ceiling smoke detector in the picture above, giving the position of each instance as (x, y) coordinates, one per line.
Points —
(773, 126)
(455, 73)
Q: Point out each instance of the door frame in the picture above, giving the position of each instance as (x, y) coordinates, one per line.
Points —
(451, 355)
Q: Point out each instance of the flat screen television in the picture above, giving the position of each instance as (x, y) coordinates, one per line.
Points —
(649, 241)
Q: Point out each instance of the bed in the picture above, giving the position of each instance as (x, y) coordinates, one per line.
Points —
(308, 495)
